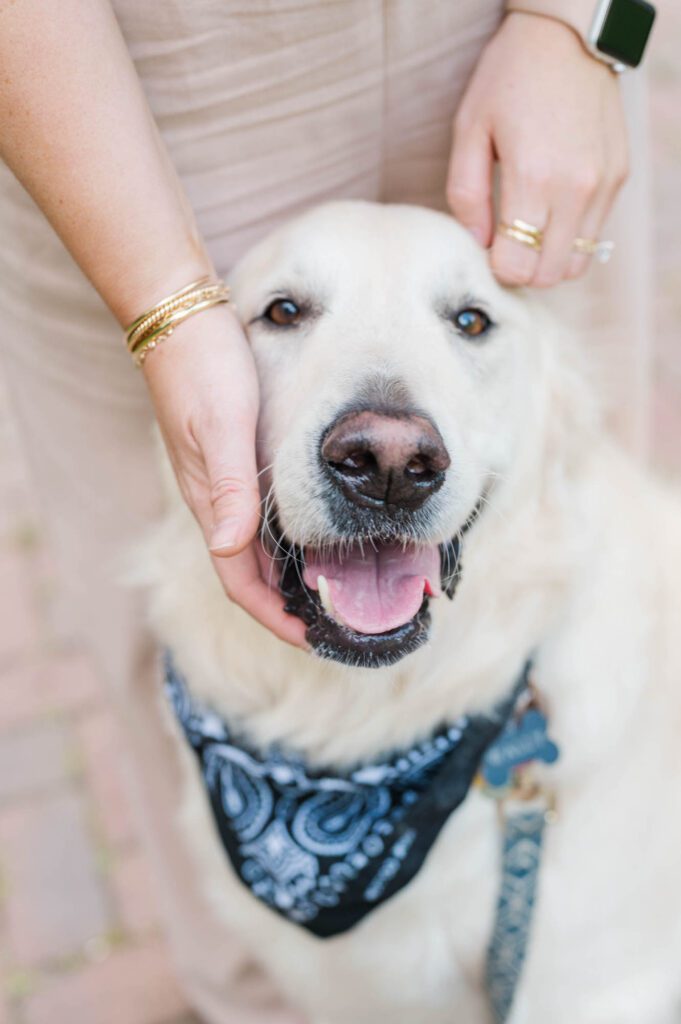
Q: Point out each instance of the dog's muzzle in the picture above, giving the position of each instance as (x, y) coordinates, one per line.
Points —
(365, 595)
(365, 603)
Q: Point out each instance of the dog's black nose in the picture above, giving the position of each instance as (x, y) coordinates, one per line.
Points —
(377, 459)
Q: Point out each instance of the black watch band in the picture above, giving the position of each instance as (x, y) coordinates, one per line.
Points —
(616, 32)
(620, 31)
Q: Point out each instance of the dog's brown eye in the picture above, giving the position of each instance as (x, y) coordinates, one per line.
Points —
(283, 313)
(472, 322)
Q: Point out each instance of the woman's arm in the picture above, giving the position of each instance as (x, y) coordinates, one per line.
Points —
(551, 115)
(76, 130)
(577, 14)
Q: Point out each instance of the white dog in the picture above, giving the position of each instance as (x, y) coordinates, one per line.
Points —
(426, 434)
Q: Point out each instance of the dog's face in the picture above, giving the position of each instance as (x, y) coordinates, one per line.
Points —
(396, 384)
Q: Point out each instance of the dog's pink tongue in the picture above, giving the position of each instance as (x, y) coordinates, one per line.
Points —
(380, 589)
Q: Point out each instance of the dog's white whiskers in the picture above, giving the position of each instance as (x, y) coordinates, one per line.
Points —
(493, 507)
(265, 469)
(297, 564)
(265, 529)
(447, 561)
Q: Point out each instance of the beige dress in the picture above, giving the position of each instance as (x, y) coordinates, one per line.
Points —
(266, 106)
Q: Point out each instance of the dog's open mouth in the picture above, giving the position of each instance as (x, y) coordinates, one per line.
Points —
(365, 602)
(373, 589)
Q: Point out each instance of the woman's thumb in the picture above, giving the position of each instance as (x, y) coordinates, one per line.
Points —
(234, 495)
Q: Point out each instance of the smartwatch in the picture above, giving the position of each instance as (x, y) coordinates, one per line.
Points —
(616, 32)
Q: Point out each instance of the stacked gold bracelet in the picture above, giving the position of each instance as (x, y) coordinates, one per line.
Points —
(159, 322)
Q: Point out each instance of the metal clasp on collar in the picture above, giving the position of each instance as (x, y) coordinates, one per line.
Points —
(509, 771)
(525, 793)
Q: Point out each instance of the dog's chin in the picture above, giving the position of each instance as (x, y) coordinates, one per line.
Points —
(336, 641)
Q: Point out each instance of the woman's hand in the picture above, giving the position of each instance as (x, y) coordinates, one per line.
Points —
(204, 388)
(552, 116)
(82, 140)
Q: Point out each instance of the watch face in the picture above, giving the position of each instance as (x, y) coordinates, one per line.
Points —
(625, 30)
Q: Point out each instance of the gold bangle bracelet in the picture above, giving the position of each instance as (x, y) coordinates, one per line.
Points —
(159, 322)
(165, 329)
(158, 316)
(168, 299)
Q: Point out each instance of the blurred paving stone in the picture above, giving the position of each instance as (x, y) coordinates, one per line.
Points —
(102, 750)
(60, 682)
(133, 986)
(33, 759)
(18, 622)
(135, 894)
(71, 681)
(667, 427)
(14, 506)
(54, 900)
(21, 700)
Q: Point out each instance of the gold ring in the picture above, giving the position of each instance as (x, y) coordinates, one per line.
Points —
(593, 247)
(527, 229)
(521, 231)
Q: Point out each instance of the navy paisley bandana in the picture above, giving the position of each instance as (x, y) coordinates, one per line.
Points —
(323, 848)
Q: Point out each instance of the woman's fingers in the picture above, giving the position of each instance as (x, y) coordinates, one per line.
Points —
(590, 230)
(615, 160)
(555, 126)
(228, 450)
(469, 181)
(568, 207)
(523, 210)
(567, 210)
(205, 391)
(594, 219)
(240, 576)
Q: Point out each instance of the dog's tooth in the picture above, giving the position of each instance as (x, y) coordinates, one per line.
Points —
(325, 596)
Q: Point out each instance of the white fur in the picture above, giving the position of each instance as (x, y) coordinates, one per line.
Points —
(577, 556)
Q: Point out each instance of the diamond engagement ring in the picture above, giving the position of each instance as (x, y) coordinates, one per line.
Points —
(593, 247)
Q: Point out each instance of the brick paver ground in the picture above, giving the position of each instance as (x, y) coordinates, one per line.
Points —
(79, 934)
(79, 938)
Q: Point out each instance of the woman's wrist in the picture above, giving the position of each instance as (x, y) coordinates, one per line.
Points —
(577, 15)
(145, 287)
(611, 32)
(560, 26)
(210, 331)
(157, 323)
